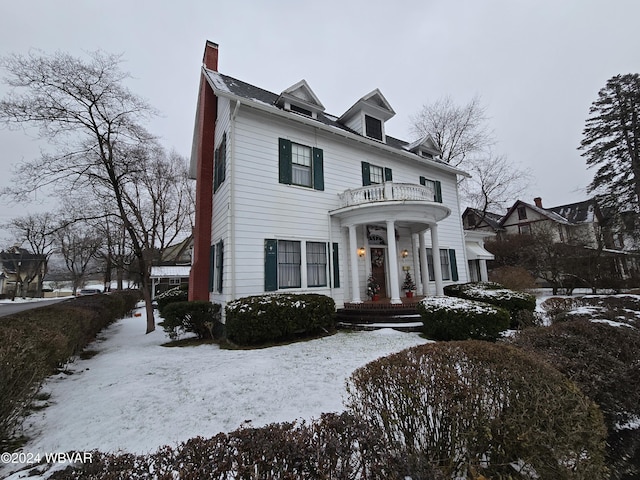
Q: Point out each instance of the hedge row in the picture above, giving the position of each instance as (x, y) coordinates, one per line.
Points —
(274, 318)
(199, 317)
(520, 305)
(338, 447)
(37, 342)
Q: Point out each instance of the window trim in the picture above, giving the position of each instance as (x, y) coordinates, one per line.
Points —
(522, 213)
(285, 165)
(449, 267)
(220, 163)
(376, 125)
(272, 263)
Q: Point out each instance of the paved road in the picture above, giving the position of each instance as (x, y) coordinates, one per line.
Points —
(11, 308)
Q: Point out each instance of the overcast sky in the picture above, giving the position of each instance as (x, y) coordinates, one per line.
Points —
(537, 65)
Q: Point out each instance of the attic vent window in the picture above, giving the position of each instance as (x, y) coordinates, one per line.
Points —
(303, 111)
(373, 127)
(426, 154)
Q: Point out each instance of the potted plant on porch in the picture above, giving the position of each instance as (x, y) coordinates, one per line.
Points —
(373, 288)
(408, 286)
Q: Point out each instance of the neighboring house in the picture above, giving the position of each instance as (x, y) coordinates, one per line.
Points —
(292, 199)
(474, 219)
(23, 272)
(173, 269)
(583, 224)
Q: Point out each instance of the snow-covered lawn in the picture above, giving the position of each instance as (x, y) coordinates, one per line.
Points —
(137, 395)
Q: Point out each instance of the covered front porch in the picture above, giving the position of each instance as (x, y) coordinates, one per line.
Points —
(386, 227)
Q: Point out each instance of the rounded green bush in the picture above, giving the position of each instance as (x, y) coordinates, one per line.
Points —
(490, 292)
(272, 318)
(199, 317)
(450, 318)
(481, 410)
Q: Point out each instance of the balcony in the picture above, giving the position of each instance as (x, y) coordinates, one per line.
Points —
(386, 192)
(411, 204)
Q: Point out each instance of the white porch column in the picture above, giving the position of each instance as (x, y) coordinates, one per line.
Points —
(484, 275)
(424, 266)
(353, 256)
(415, 247)
(393, 263)
(437, 267)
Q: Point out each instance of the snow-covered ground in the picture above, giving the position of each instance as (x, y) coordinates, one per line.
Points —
(136, 395)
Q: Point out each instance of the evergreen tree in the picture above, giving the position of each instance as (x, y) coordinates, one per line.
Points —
(611, 142)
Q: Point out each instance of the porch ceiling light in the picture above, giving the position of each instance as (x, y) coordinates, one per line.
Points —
(361, 252)
(404, 253)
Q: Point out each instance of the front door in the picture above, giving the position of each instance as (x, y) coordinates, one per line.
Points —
(377, 269)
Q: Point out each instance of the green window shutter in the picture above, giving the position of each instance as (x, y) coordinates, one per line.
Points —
(438, 191)
(216, 171)
(366, 174)
(387, 175)
(336, 267)
(270, 265)
(284, 161)
(220, 264)
(318, 169)
(212, 257)
(423, 181)
(453, 264)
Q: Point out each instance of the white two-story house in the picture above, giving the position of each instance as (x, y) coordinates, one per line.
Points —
(292, 199)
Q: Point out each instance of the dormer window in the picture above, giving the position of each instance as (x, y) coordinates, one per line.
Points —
(373, 127)
(303, 111)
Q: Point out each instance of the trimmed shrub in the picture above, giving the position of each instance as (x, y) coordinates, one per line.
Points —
(448, 318)
(604, 361)
(495, 294)
(480, 410)
(337, 446)
(37, 342)
(274, 318)
(172, 295)
(199, 317)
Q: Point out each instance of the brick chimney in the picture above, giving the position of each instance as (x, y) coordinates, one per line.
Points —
(204, 137)
(210, 57)
(538, 202)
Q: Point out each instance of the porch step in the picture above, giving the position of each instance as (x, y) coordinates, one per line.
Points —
(404, 319)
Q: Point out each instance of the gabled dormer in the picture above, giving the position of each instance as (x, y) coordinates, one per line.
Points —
(425, 147)
(299, 98)
(367, 116)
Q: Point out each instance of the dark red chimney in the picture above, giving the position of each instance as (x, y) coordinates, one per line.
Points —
(206, 123)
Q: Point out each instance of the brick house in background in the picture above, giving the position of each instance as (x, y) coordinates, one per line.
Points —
(292, 199)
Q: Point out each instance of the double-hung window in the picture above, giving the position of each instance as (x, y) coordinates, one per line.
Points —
(316, 264)
(301, 173)
(300, 165)
(435, 186)
(300, 264)
(220, 164)
(448, 264)
(289, 264)
(373, 174)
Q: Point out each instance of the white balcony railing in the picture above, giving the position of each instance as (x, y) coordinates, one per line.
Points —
(386, 192)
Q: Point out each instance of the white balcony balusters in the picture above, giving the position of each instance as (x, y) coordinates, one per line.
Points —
(388, 191)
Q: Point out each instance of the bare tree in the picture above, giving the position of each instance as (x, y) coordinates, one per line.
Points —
(78, 243)
(494, 183)
(461, 133)
(94, 121)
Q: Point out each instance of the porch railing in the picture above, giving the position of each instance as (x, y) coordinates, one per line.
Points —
(385, 192)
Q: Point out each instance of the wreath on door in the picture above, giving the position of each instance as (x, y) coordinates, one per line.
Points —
(378, 259)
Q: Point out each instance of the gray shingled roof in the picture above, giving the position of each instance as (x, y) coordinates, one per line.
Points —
(238, 88)
(579, 212)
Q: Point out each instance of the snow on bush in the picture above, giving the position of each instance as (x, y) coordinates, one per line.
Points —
(450, 318)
